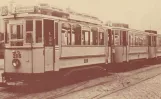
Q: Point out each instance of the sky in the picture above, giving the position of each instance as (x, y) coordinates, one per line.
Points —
(139, 14)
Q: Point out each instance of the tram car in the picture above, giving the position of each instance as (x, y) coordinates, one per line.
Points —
(130, 45)
(42, 40)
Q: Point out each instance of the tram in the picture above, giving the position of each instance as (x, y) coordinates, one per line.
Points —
(44, 40)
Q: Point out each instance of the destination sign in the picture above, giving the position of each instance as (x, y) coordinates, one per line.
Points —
(28, 9)
(120, 25)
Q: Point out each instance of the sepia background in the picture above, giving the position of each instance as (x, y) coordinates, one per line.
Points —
(139, 14)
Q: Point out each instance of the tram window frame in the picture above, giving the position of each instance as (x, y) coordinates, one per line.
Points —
(17, 31)
(159, 41)
(154, 41)
(38, 31)
(145, 40)
(29, 31)
(121, 38)
(76, 34)
(56, 26)
(66, 34)
(6, 28)
(117, 39)
(101, 37)
(130, 39)
(85, 37)
(16, 35)
(94, 35)
(109, 40)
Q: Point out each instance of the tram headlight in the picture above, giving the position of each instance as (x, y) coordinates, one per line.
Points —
(16, 63)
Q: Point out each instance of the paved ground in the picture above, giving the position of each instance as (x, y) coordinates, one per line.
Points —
(150, 89)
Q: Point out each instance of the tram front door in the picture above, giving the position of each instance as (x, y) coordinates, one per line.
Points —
(49, 45)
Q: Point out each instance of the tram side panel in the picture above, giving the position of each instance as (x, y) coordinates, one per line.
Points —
(24, 56)
(137, 52)
(81, 56)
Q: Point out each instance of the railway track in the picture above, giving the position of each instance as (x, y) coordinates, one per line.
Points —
(124, 79)
(130, 85)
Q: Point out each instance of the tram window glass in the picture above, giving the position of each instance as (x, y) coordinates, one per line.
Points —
(6, 32)
(56, 33)
(149, 40)
(130, 40)
(86, 37)
(19, 32)
(145, 40)
(29, 25)
(48, 32)
(121, 38)
(38, 31)
(124, 38)
(66, 34)
(94, 31)
(16, 32)
(117, 37)
(154, 40)
(109, 36)
(91, 38)
(136, 40)
(29, 31)
(101, 37)
(159, 41)
(140, 41)
(76, 34)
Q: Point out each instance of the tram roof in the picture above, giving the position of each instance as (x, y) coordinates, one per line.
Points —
(50, 12)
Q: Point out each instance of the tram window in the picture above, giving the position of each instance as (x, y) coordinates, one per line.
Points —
(136, 40)
(160, 41)
(117, 37)
(29, 25)
(16, 32)
(149, 40)
(124, 38)
(13, 31)
(76, 34)
(6, 32)
(95, 36)
(91, 38)
(86, 37)
(129, 40)
(121, 38)
(101, 37)
(48, 32)
(146, 41)
(56, 33)
(29, 31)
(69, 37)
(19, 32)
(109, 37)
(38, 31)
(153, 40)
(66, 34)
